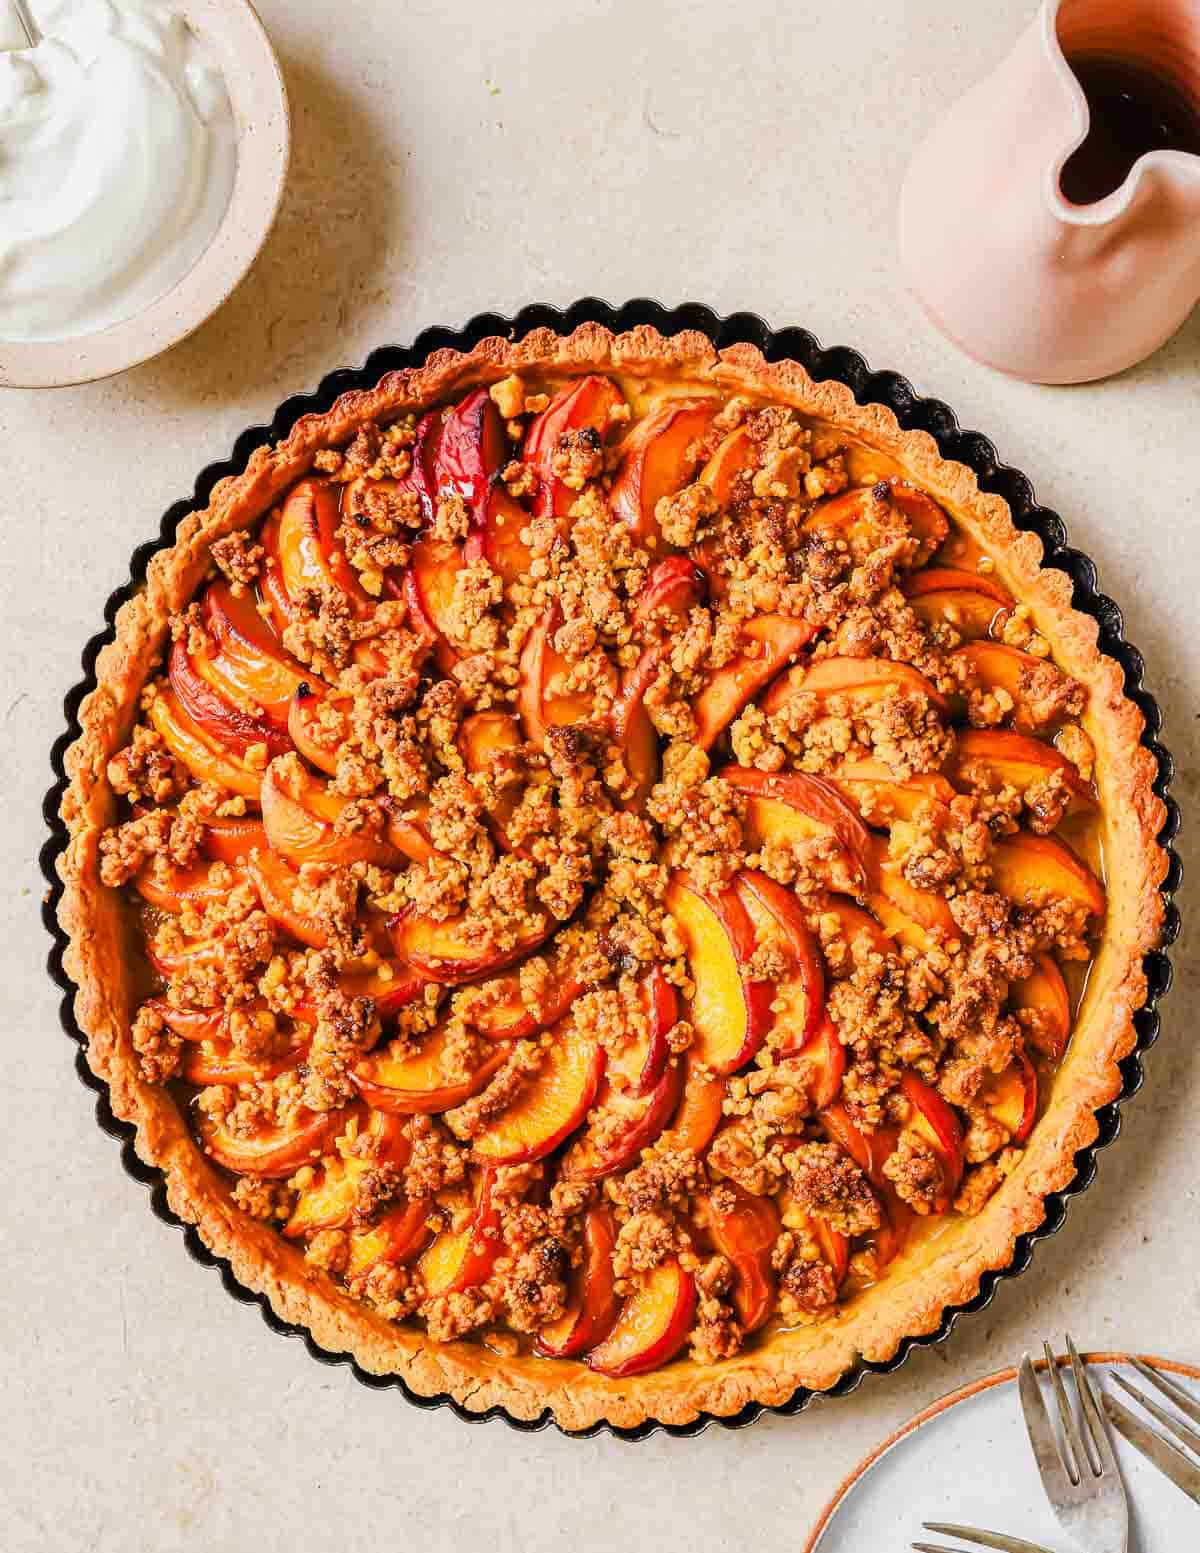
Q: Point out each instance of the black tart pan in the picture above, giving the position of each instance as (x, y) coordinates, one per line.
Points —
(912, 411)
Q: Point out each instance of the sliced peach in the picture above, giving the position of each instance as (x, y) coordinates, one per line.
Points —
(232, 840)
(329, 1201)
(300, 817)
(492, 742)
(203, 757)
(769, 642)
(472, 450)
(277, 884)
(464, 1258)
(937, 1124)
(643, 1119)
(653, 1325)
(846, 516)
(445, 952)
(638, 1066)
(193, 1024)
(795, 806)
(544, 701)
(420, 479)
(503, 1015)
(855, 925)
(673, 588)
(859, 681)
(214, 1062)
(404, 1084)
(275, 1152)
(174, 888)
(827, 1064)
(695, 1123)
(592, 404)
(250, 654)
(799, 999)
(731, 466)
(318, 726)
(429, 588)
(1045, 994)
(996, 666)
(391, 985)
(658, 458)
(213, 706)
(273, 597)
(968, 601)
(499, 536)
(310, 557)
(1000, 758)
(832, 1244)
(399, 1237)
(746, 1234)
(729, 1012)
(592, 1301)
(550, 1104)
(869, 1152)
(880, 797)
(1029, 869)
(1012, 1098)
(926, 908)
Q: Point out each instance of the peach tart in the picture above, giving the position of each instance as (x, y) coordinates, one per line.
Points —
(608, 877)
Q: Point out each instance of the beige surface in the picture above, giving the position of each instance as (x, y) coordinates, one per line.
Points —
(141, 1409)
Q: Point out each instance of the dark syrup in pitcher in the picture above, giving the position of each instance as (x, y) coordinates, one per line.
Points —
(1133, 110)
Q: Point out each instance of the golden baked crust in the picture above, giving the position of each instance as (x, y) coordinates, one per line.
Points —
(943, 1272)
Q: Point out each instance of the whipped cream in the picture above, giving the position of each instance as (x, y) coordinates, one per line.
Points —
(118, 151)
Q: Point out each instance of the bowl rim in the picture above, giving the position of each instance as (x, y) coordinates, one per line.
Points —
(254, 80)
(913, 411)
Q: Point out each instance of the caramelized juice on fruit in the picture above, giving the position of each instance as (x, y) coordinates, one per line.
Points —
(1133, 110)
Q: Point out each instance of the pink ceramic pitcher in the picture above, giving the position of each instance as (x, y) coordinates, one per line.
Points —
(1017, 276)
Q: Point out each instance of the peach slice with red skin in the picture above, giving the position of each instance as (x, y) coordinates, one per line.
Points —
(214, 1062)
(472, 450)
(592, 1300)
(731, 466)
(212, 705)
(926, 908)
(653, 1324)
(420, 478)
(400, 1236)
(328, 1202)
(1012, 1098)
(429, 588)
(206, 760)
(658, 458)
(827, 1057)
(192, 1024)
(310, 556)
(646, 1117)
(445, 952)
(593, 403)
(300, 816)
(460, 1259)
(249, 653)
(700, 1112)
(778, 915)
(491, 742)
(317, 725)
(989, 665)
(746, 1234)
(549, 1105)
(543, 703)
(770, 642)
(1009, 759)
(845, 516)
(173, 888)
(505, 1016)
(939, 1125)
(796, 806)
(729, 1012)
(277, 884)
(968, 601)
(414, 1085)
(860, 681)
(232, 840)
(1044, 993)
(880, 797)
(275, 1152)
(1029, 868)
(869, 1151)
(832, 1244)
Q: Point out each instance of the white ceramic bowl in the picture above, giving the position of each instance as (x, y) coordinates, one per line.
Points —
(256, 91)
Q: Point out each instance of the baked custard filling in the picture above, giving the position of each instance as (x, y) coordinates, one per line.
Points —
(615, 865)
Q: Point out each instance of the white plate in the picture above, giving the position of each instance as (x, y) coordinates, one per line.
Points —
(966, 1459)
(255, 84)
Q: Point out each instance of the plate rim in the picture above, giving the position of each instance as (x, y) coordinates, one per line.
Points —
(964, 1394)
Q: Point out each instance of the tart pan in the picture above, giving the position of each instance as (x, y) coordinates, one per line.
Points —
(912, 411)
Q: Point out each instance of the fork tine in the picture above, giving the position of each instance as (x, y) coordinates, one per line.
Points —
(983, 1539)
(1184, 1433)
(1096, 1438)
(1075, 1459)
(1186, 1403)
(1041, 1434)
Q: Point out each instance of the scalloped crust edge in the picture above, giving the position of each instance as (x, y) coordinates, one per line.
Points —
(814, 1357)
